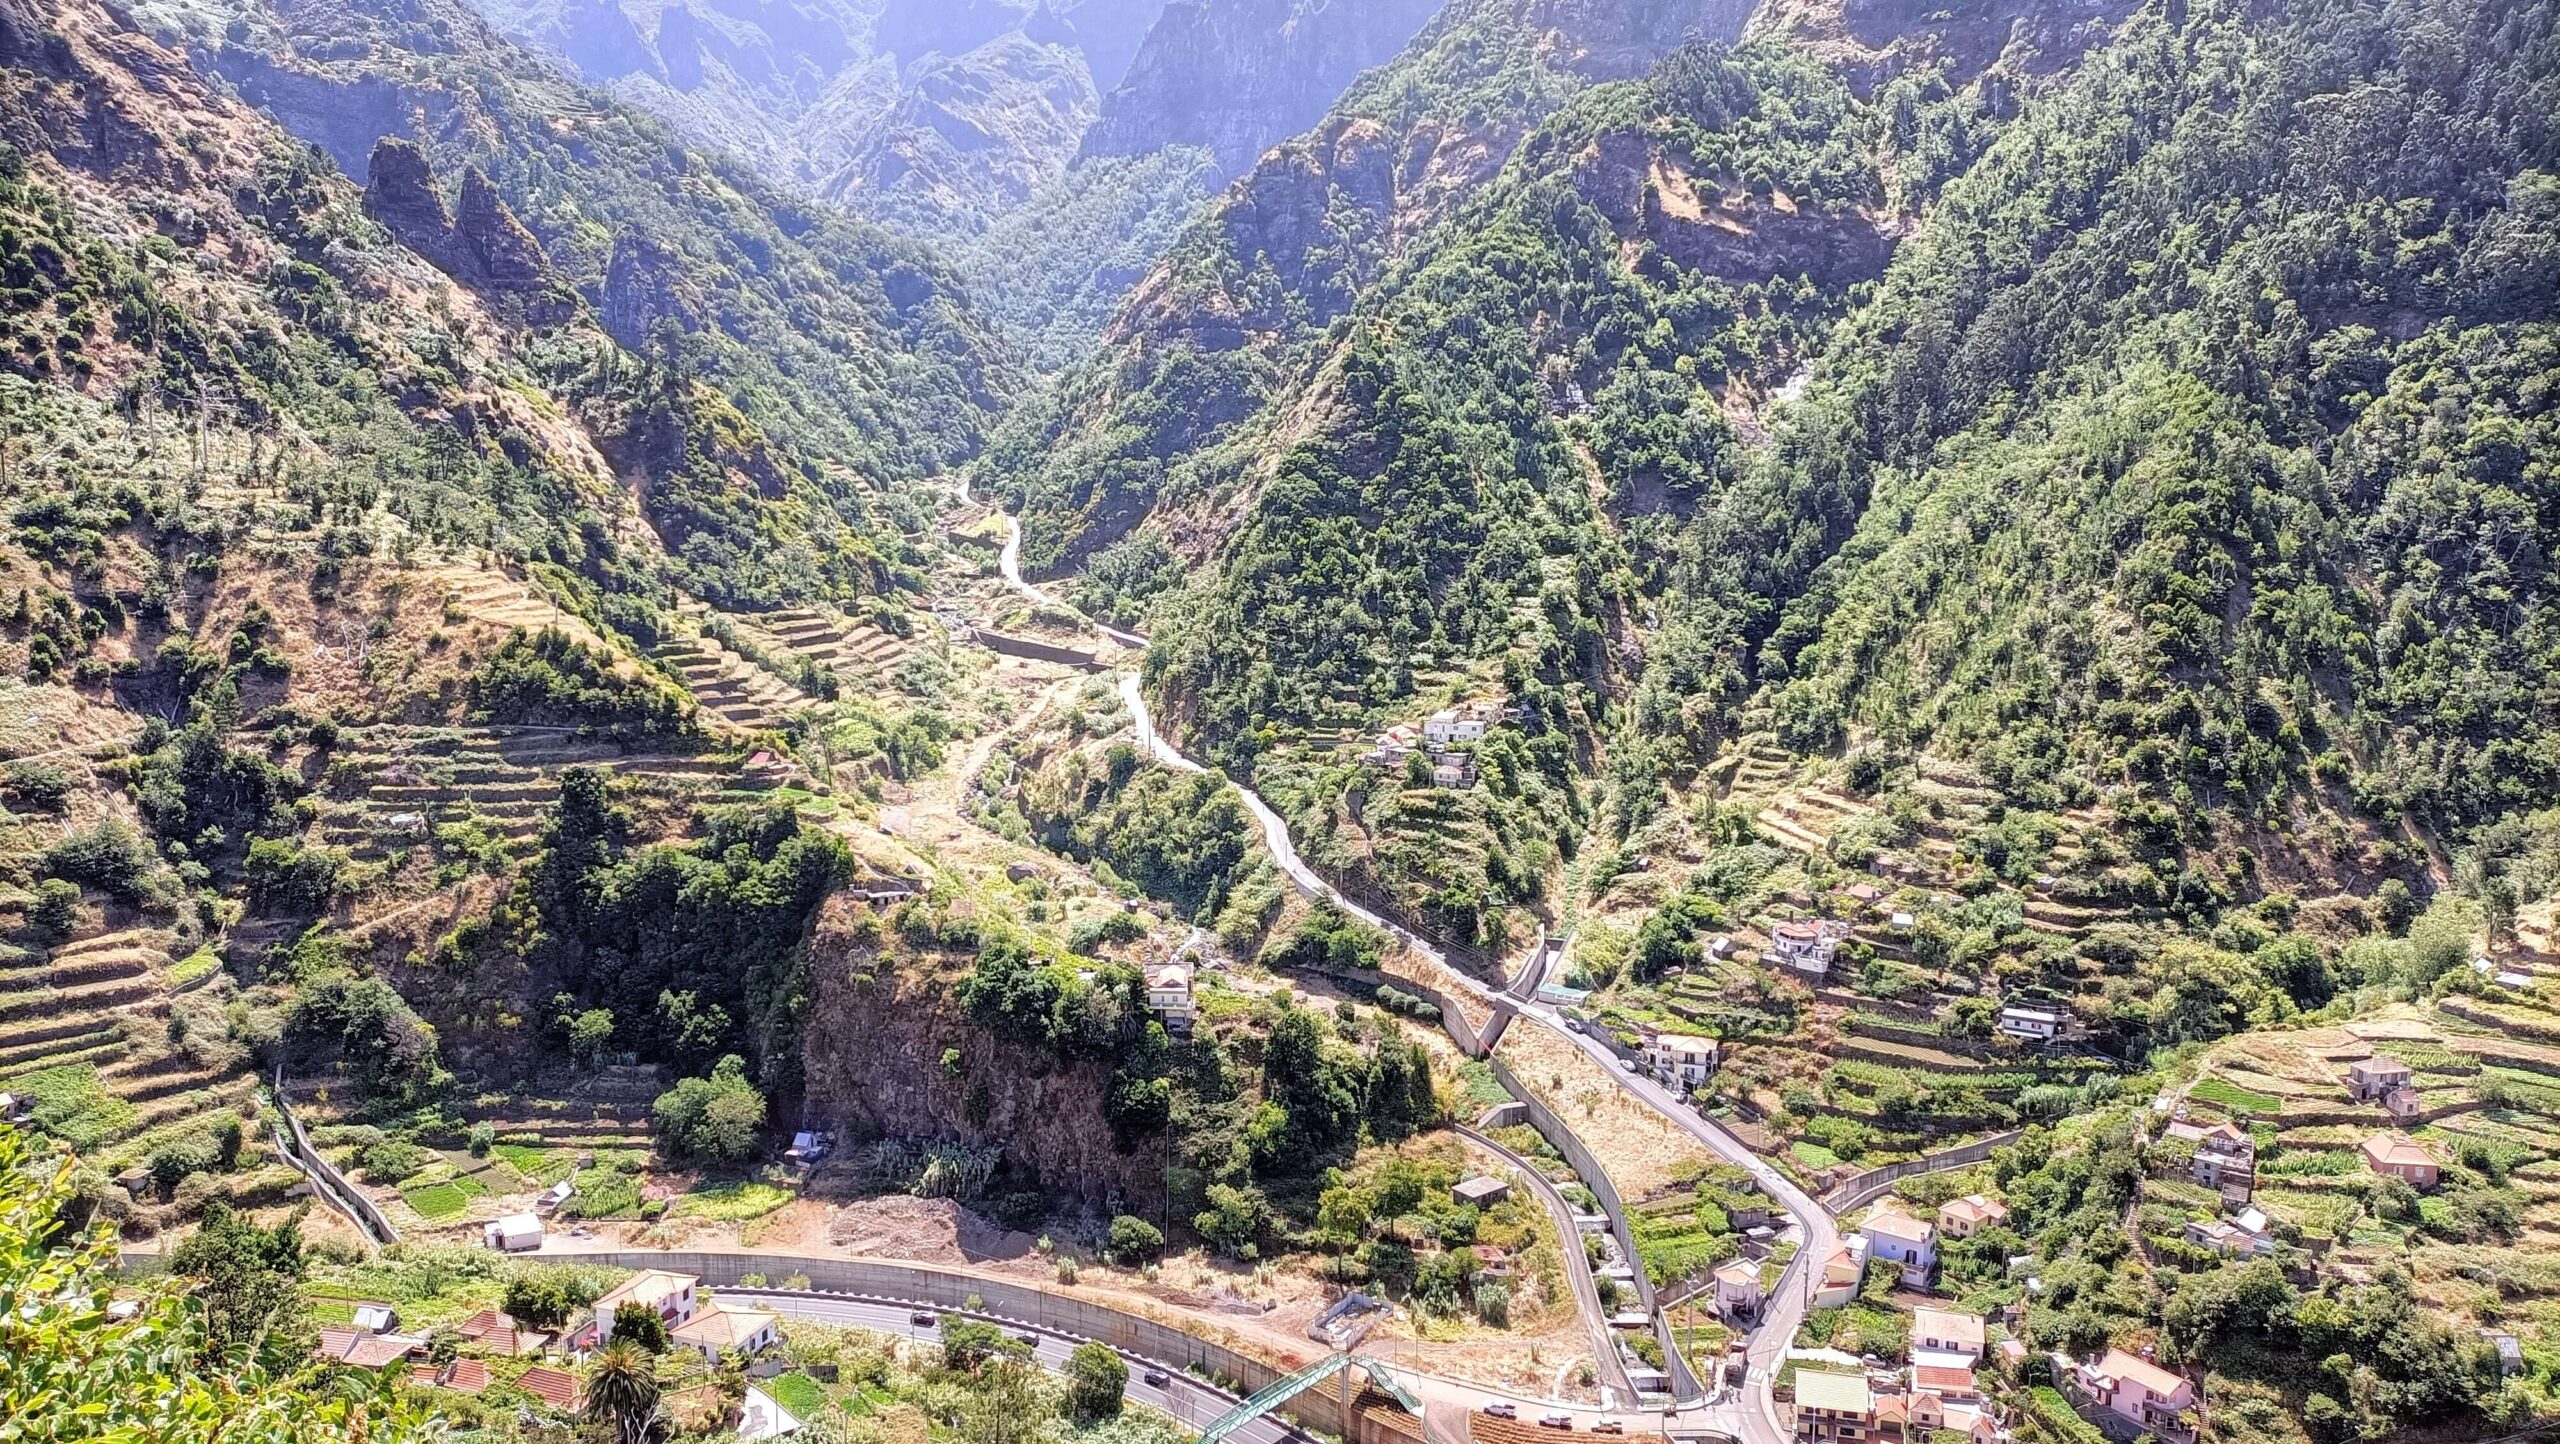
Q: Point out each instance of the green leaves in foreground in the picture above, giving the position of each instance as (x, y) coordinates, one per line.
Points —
(70, 1371)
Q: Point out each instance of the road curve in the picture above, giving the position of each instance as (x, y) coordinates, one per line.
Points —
(1819, 1232)
(1615, 1389)
(1788, 1304)
(1192, 1401)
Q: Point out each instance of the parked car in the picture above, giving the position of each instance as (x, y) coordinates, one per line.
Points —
(1501, 1411)
(1555, 1420)
(1156, 1378)
(1608, 1426)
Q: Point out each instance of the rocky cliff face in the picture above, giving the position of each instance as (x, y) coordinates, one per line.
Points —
(1238, 75)
(645, 283)
(483, 245)
(2002, 41)
(881, 1026)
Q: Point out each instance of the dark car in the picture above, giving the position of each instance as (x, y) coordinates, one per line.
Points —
(924, 1318)
(1502, 1411)
(1156, 1378)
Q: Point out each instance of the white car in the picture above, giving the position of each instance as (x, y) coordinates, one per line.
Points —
(1626, 1065)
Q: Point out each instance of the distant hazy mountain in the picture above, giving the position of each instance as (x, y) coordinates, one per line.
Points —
(1238, 76)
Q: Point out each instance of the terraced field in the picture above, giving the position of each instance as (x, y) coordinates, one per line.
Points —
(858, 653)
(84, 1031)
(728, 684)
(389, 788)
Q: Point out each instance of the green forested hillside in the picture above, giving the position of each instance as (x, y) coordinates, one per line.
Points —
(838, 356)
(2202, 440)
(1171, 411)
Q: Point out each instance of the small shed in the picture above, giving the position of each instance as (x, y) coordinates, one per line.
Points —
(514, 1233)
(1483, 1190)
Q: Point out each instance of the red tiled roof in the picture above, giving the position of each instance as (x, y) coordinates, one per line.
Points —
(553, 1387)
(1935, 1376)
(334, 1342)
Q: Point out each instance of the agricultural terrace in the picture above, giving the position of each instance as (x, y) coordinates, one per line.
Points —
(2481, 1243)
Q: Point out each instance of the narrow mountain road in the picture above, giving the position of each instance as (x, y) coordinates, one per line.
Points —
(1752, 1418)
(1615, 1390)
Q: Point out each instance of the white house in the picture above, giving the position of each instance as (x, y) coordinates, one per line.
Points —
(719, 1329)
(1904, 1240)
(2245, 1234)
(514, 1233)
(675, 1297)
(1682, 1060)
(376, 1318)
(2138, 1390)
(1804, 947)
(2036, 1022)
(1169, 995)
(1455, 724)
(1947, 1331)
(1738, 1293)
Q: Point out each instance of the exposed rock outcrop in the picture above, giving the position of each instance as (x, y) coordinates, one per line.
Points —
(644, 283)
(879, 1032)
(1739, 236)
(482, 245)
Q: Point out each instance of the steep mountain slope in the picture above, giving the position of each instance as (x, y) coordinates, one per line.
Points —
(1209, 337)
(970, 137)
(1235, 76)
(847, 338)
(947, 122)
(2269, 519)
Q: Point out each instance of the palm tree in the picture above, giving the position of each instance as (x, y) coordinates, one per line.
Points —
(623, 1391)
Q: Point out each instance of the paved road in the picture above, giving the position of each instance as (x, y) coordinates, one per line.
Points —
(1753, 1418)
(1188, 1399)
(1615, 1390)
(1788, 1304)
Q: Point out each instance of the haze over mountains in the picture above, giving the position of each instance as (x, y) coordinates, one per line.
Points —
(550, 562)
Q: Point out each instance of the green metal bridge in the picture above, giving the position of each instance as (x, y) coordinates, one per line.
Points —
(1279, 1391)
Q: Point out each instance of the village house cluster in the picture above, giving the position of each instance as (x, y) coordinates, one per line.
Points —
(1440, 737)
(1938, 1390)
(694, 1322)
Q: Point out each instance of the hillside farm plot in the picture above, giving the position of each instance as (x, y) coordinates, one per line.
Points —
(1647, 1155)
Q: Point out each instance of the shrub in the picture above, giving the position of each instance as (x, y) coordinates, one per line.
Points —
(1133, 1240)
(39, 785)
(110, 857)
(1096, 1382)
(714, 1119)
(640, 1324)
(391, 1160)
(56, 908)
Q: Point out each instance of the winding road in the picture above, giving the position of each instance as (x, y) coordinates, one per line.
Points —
(1190, 1400)
(1752, 1416)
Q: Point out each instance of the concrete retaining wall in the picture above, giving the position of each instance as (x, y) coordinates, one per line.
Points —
(1865, 1188)
(1684, 1385)
(921, 1284)
(1010, 646)
(326, 1181)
